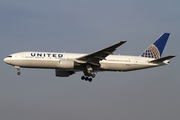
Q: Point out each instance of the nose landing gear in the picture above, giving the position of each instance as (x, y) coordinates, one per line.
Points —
(18, 72)
(18, 69)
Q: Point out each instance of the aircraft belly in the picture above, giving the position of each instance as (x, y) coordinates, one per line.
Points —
(117, 66)
(124, 66)
(138, 67)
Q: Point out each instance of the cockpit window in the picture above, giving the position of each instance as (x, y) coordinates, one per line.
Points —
(9, 56)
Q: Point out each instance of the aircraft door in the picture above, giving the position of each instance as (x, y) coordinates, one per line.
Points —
(21, 56)
(136, 60)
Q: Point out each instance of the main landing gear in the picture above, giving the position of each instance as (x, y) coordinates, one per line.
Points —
(87, 76)
(18, 69)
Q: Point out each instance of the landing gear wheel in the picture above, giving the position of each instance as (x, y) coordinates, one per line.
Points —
(18, 73)
(90, 79)
(86, 78)
(82, 78)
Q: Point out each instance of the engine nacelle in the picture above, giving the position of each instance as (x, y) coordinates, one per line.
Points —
(62, 73)
(66, 64)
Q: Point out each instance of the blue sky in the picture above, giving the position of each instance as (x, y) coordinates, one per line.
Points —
(85, 26)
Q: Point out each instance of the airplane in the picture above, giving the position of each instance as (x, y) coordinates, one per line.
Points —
(66, 64)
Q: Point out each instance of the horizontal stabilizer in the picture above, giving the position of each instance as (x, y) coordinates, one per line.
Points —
(162, 59)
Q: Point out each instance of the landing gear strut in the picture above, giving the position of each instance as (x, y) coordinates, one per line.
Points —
(18, 69)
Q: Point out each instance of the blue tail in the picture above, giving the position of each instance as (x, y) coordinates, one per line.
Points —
(156, 49)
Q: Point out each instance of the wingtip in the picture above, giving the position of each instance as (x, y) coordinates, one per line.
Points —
(123, 41)
(173, 55)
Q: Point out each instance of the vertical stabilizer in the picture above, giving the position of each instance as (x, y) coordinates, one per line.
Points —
(156, 49)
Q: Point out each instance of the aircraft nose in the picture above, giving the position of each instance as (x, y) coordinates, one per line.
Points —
(5, 60)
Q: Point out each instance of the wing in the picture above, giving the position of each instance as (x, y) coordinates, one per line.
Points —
(95, 57)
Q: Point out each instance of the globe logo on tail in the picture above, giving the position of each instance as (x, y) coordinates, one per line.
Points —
(151, 52)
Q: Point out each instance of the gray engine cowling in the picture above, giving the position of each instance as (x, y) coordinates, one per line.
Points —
(63, 73)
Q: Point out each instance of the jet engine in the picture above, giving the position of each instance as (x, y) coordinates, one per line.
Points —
(63, 73)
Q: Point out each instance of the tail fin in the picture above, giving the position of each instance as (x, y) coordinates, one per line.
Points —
(156, 49)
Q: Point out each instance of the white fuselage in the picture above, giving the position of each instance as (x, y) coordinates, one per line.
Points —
(52, 61)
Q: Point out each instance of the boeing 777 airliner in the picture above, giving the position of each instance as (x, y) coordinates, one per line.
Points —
(66, 64)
